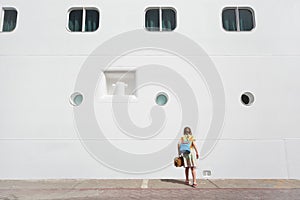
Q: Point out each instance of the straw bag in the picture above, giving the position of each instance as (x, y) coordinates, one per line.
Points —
(178, 161)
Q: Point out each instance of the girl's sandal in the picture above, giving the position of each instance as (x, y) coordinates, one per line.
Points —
(194, 185)
(187, 182)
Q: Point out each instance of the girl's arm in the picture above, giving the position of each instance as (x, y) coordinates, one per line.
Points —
(196, 149)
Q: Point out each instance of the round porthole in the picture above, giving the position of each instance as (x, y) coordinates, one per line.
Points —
(161, 99)
(76, 99)
(247, 98)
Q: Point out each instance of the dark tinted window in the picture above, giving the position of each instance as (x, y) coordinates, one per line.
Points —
(75, 20)
(238, 19)
(229, 20)
(10, 20)
(246, 20)
(91, 23)
(245, 99)
(168, 20)
(91, 20)
(160, 19)
(152, 20)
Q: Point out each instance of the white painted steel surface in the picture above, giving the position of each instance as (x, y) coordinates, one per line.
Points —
(40, 61)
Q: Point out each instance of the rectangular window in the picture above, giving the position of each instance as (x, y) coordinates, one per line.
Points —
(160, 19)
(91, 20)
(229, 20)
(238, 19)
(9, 19)
(168, 19)
(246, 20)
(152, 20)
(75, 20)
(83, 20)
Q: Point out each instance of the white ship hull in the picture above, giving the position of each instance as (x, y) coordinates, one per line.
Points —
(42, 64)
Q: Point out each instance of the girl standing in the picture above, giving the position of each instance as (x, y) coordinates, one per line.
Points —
(189, 159)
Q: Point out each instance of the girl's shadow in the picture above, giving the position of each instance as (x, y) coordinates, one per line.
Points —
(181, 182)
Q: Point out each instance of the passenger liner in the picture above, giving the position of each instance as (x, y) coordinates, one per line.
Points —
(103, 89)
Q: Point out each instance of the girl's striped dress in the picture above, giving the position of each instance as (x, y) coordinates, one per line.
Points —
(189, 160)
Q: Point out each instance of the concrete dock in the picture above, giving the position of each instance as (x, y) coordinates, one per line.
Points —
(149, 189)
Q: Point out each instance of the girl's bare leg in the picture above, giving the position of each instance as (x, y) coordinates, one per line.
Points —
(194, 175)
(187, 174)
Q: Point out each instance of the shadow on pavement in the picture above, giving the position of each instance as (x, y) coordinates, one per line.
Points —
(173, 181)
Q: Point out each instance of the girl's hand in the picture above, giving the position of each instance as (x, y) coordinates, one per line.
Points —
(197, 155)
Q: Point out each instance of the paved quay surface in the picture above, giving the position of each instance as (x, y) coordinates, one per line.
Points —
(74, 189)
